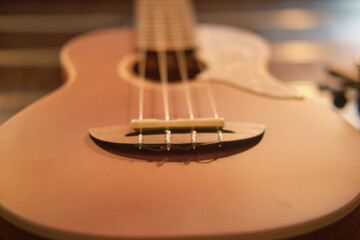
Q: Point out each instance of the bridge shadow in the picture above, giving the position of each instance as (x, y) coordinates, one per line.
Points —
(204, 154)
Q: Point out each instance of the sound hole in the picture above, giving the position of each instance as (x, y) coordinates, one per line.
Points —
(152, 66)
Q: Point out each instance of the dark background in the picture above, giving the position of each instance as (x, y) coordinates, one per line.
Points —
(306, 38)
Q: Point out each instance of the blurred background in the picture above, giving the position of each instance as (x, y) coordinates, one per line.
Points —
(308, 37)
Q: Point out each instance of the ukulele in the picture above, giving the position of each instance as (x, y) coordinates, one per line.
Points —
(175, 131)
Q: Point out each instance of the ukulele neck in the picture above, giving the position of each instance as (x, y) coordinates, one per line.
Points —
(164, 25)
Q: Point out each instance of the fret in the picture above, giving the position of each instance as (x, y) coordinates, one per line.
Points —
(164, 25)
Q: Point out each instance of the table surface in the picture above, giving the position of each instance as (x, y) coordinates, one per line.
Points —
(306, 37)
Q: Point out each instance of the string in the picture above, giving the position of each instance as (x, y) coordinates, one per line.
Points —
(182, 66)
(180, 57)
(212, 104)
(142, 72)
(164, 81)
(211, 99)
(181, 60)
(142, 53)
(161, 47)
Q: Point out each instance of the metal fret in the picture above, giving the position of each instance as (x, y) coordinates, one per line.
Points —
(154, 36)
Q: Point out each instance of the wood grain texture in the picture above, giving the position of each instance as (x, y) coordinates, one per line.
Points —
(300, 177)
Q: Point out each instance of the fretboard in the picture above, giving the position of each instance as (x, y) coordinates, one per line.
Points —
(164, 25)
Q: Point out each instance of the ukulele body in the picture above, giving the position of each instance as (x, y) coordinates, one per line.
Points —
(58, 183)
